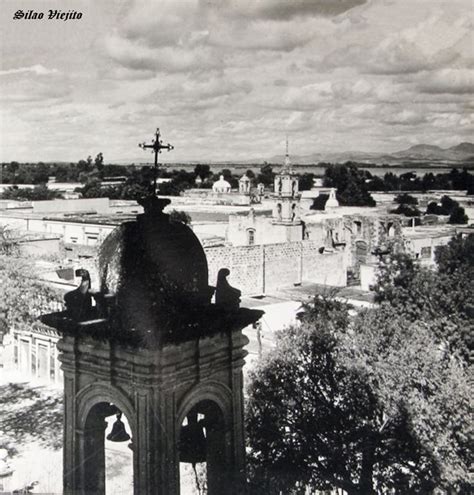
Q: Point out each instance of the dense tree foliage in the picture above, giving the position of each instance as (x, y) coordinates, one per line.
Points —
(306, 181)
(26, 414)
(350, 183)
(37, 193)
(407, 210)
(178, 216)
(449, 207)
(22, 296)
(376, 402)
(405, 199)
(458, 216)
(203, 171)
(266, 175)
(453, 180)
(442, 298)
(9, 242)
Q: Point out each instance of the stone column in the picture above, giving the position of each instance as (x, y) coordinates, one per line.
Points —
(91, 456)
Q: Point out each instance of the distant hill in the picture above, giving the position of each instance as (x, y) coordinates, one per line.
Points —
(420, 153)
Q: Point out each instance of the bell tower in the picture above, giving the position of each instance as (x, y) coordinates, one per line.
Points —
(151, 347)
(286, 208)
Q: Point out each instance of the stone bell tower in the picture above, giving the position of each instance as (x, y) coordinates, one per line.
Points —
(286, 209)
(154, 348)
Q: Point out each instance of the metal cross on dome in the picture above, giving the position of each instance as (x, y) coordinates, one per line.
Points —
(156, 145)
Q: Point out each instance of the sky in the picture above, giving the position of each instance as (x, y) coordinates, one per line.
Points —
(230, 79)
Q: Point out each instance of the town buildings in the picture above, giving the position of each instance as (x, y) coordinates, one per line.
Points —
(278, 251)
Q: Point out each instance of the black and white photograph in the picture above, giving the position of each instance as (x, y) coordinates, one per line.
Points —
(236, 247)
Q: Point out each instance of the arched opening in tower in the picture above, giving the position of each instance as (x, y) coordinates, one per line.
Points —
(204, 449)
(108, 451)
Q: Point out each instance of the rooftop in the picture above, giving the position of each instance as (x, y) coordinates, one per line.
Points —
(433, 231)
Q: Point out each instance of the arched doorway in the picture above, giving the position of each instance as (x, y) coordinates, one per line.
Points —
(106, 465)
(118, 456)
(361, 250)
(204, 450)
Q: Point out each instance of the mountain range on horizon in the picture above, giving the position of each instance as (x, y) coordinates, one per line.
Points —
(419, 153)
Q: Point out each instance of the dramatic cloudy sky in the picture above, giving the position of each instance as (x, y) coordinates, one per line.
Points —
(228, 79)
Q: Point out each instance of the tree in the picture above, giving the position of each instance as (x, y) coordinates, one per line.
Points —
(266, 175)
(250, 174)
(457, 257)
(444, 299)
(38, 193)
(99, 162)
(350, 182)
(406, 199)
(306, 181)
(367, 405)
(434, 209)
(180, 216)
(22, 296)
(202, 171)
(9, 243)
(407, 210)
(458, 216)
(448, 204)
(92, 188)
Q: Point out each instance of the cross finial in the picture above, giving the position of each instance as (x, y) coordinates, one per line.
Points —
(156, 145)
(287, 158)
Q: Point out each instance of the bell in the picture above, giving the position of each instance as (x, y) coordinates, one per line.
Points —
(192, 443)
(118, 433)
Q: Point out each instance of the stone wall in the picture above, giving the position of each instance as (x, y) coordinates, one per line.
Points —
(265, 230)
(265, 268)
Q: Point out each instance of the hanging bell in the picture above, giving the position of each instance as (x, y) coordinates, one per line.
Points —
(118, 433)
(192, 443)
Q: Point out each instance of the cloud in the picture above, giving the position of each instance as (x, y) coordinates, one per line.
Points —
(389, 45)
(38, 70)
(137, 56)
(406, 117)
(284, 9)
(161, 23)
(228, 78)
(262, 35)
(29, 90)
(449, 81)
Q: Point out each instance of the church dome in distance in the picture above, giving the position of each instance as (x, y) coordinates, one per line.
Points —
(155, 268)
(221, 185)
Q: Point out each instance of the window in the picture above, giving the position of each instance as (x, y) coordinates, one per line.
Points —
(251, 237)
(361, 250)
(358, 227)
(91, 239)
(43, 360)
(15, 349)
(52, 362)
(426, 252)
(33, 360)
